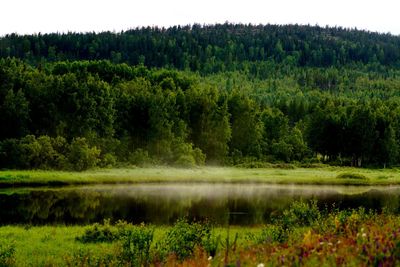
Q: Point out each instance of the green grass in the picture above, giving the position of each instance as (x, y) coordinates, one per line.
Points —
(324, 175)
(303, 235)
(54, 245)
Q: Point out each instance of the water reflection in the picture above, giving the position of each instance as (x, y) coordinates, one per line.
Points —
(236, 204)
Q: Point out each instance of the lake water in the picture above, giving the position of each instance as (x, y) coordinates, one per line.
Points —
(222, 204)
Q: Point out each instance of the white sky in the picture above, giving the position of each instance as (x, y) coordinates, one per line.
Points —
(34, 16)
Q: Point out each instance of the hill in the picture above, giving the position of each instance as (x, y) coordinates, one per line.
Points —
(220, 94)
(212, 48)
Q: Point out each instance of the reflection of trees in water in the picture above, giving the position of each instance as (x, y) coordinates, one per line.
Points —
(87, 206)
(49, 206)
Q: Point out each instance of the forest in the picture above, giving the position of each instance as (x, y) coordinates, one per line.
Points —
(225, 94)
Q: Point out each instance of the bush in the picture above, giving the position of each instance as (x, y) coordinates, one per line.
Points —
(43, 152)
(182, 239)
(99, 233)
(108, 160)
(185, 161)
(184, 155)
(199, 156)
(270, 234)
(210, 243)
(7, 255)
(81, 156)
(140, 157)
(300, 213)
(136, 246)
(349, 220)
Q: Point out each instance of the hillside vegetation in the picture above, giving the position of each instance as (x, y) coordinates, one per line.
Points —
(219, 94)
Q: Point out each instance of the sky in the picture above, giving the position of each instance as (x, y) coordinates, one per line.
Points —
(45, 16)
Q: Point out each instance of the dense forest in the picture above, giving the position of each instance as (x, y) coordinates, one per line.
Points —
(219, 94)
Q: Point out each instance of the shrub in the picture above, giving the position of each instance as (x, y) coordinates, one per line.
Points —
(270, 234)
(210, 243)
(182, 239)
(349, 220)
(108, 160)
(61, 147)
(99, 233)
(81, 156)
(136, 246)
(300, 213)
(7, 255)
(199, 156)
(140, 157)
(185, 161)
(43, 152)
(184, 155)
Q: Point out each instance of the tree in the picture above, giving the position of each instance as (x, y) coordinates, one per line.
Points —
(14, 115)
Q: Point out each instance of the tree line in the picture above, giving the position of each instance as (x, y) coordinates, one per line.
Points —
(213, 48)
(81, 114)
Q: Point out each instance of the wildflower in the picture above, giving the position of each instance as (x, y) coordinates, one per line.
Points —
(339, 242)
(260, 265)
(364, 235)
(210, 258)
(330, 244)
(321, 243)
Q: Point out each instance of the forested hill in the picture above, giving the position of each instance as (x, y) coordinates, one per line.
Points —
(227, 94)
(212, 48)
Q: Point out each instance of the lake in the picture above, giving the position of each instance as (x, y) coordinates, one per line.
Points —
(163, 204)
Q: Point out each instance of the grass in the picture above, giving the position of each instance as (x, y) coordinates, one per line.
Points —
(322, 175)
(300, 236)
(56, 245)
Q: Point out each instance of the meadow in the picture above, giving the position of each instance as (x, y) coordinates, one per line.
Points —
(279, 174)
(302, 235)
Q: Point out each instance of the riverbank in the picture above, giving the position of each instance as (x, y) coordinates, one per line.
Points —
(303, 235)
(318, 176)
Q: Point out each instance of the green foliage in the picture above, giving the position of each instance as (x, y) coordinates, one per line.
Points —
(43, 152)
(108, 160)
(184, 155)
(81, 156)
(296, 96)
(227, 47)
(99, 233)
(140, 157)
(210, 243)
(136, 246)
(183, 237)
(7, 254)
(85, 258)
(269, 234)
(300, 213)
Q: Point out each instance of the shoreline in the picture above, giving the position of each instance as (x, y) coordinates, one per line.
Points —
(297, 176)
